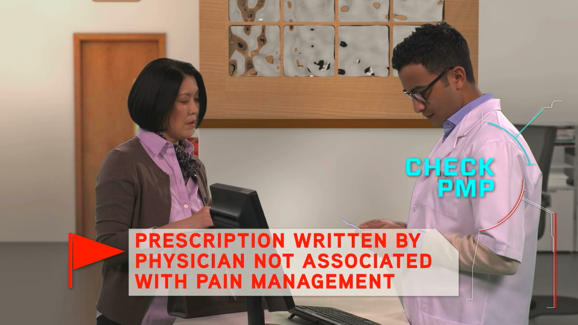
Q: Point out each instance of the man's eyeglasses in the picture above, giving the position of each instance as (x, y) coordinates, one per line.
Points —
(420, 96)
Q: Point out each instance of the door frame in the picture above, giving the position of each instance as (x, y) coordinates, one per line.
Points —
(79, 38)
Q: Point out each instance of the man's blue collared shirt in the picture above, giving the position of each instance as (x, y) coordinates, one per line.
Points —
(455, 119)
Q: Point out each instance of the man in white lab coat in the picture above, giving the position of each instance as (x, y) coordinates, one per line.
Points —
(436, 73)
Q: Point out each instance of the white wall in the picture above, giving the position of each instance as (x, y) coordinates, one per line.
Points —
(308, 178)
(528, 58)
(305, 177)
(37, 99)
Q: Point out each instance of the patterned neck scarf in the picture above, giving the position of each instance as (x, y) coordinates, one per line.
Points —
(189, 166)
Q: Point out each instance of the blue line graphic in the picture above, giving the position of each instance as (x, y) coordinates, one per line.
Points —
(513, 137)
(540, 112)
(530, 122)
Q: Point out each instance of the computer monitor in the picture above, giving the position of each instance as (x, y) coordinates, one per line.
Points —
(235, 207)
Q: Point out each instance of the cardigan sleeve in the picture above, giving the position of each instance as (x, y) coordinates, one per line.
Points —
(116, 191)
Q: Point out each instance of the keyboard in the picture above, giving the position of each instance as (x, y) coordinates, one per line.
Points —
(329, 316)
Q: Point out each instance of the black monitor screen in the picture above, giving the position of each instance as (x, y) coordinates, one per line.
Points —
(235, 207)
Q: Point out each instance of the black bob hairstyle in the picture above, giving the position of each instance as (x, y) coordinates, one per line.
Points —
(155, 91)
(436, 47)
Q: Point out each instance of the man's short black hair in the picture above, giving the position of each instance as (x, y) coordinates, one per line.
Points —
(436, 47)
(155, 91)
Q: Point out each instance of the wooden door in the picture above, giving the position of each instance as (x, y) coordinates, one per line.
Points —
(105, 67)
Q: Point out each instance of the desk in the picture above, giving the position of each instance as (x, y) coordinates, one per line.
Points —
(383, 310)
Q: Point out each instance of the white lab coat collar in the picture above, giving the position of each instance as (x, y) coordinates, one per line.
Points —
(471, 120)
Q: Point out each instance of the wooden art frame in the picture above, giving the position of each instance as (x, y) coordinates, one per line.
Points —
(311, 102)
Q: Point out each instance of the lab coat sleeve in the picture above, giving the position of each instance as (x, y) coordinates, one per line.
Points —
(484, 260)
(499, 214)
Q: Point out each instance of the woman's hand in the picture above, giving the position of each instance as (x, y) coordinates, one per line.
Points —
(382, 224)
(200, 220)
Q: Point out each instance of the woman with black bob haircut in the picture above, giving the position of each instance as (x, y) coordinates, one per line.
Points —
(151, 181)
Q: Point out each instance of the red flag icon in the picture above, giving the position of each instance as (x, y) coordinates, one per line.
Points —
(83, 251)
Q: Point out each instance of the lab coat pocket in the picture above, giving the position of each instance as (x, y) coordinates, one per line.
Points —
(447, 204)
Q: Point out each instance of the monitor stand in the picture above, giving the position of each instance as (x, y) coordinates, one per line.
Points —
(255, 311)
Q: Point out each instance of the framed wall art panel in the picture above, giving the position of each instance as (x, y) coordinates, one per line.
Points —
(315, 63)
